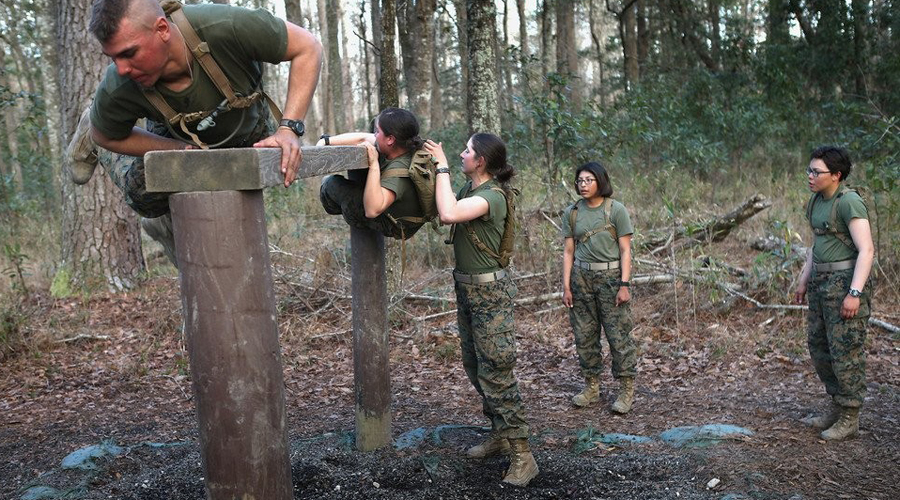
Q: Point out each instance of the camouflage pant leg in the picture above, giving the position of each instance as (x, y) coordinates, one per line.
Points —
(594, 304)
(584, 317)
(342, 196)
(488, 341)
(836, 345)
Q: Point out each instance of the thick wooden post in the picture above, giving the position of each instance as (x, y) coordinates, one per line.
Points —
(232, 340)
(371, 349)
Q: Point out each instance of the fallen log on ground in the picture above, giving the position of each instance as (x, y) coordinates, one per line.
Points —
(715, 229)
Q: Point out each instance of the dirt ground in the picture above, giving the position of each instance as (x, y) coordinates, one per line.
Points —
(112, 370)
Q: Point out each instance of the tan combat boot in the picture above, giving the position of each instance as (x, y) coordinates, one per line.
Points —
(160, 229)
(846, 426)
(491, 447)
(626, 396)
(590, 393)
(522, 467)
(824, 421)
(82, 151)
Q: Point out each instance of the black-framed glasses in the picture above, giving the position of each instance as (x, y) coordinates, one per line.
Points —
(815, 173)
(584, 181)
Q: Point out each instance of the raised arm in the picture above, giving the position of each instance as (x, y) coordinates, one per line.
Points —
(305, 54)
(451, 210)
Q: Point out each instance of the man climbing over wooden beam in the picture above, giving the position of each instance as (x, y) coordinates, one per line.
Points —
(397, 197)
(195, 73)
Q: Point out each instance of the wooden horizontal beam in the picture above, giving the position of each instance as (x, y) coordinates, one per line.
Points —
(240, 169)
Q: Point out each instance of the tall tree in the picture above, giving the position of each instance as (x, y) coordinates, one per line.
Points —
(437, 106)
(294, 13)
(484, 112)
(462, 36)
(523, 27)
(389, 94)
(100, 233)
(335, 71)
(377, 43)
(415, 23)
(324, 90)
(567, 48)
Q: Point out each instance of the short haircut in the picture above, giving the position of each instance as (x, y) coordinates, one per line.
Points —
(604, 186)
(107, 15)
(837, 159)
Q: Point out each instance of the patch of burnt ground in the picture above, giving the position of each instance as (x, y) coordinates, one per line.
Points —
(327, 467)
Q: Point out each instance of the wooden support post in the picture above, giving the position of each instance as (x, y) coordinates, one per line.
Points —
(371, 349)
(232, 339)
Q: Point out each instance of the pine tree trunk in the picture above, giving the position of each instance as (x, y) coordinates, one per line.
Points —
(628, 31)
(335, 72)
(416, 29)
(484, 113)
(324, 89)
(567, 49)
(523, 27)
(387, 83)
(100, 234)
(463, 47)
(437, 107)
(348, 96)
(294, 13)
(377, 42)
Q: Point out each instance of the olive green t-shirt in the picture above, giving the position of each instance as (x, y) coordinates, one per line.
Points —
(488, 228)
(827, 248)
(601, 247)
(239, 40)
(406, 203)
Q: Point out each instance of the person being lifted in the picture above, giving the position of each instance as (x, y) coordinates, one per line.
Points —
(195, 73)
(389, 202)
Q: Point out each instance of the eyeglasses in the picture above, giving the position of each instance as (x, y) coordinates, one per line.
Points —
(815, 173)
(584, 181)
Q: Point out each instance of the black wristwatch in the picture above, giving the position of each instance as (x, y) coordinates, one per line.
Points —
(296, 126)
(624, 283)
(855, 293)
(442, 170)
(326, 138)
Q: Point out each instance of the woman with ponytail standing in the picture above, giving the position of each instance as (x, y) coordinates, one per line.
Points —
(386, 203)
(485, 292)
(596, 269)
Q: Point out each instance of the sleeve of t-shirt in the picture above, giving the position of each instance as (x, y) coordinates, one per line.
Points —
(852, 207)
(394, 184)
(494, 199)
(111, 116)
(621, 219)
(565, 226)
(262, 36)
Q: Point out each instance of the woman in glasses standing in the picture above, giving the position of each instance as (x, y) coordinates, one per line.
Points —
(596, 270)
(482, 238)
(834, 277)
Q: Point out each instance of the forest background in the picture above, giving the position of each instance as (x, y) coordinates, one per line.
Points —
(693, 105)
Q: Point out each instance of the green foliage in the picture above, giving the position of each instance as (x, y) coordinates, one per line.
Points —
(16, 269)
(62, 284)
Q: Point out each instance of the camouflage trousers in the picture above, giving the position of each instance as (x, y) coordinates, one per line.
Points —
(127, 172)
(837, 345)
(593, 307)
(487, 339)
(340, 196)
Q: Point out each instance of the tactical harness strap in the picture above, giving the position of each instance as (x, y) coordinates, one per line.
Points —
(831, 223)
(505, 253)
(607, 209)
(200, 50)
